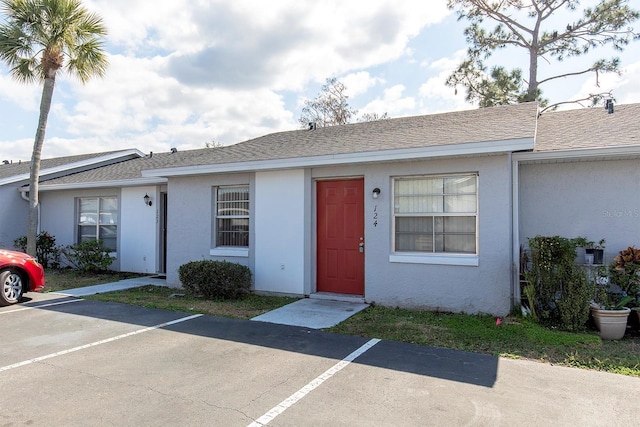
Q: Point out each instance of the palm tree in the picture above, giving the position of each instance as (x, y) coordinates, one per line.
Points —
(40, 38)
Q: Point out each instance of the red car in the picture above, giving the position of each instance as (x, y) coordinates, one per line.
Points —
(19, 273)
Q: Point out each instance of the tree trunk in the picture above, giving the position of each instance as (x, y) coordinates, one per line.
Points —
(534, 49)
(34, 177)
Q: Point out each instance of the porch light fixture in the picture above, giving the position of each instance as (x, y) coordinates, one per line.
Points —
(375, 193)
(147, 200)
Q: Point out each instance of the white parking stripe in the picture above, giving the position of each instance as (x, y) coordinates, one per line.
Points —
(295, 397)
(93, 344)
(31, 307)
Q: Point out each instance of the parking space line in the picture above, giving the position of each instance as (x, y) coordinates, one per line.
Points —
(295, 397)
(93, 344)
(31, 307)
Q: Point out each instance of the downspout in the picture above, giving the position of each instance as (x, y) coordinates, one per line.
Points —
(24, 194)
(515, 232)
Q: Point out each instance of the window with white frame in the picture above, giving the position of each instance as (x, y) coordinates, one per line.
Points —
(232, 216)
(436, 214)
(98, 220)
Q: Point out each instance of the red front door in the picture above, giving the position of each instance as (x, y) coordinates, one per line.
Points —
(340, 235)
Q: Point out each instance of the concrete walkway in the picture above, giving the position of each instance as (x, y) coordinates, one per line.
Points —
(312, 313)
(115, 286)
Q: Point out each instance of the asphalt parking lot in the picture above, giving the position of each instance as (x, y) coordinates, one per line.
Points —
(73, 362)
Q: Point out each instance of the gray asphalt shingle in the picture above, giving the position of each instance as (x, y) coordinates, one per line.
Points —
(589, 128)
(15, 168)
(479, 125)
(562, 130)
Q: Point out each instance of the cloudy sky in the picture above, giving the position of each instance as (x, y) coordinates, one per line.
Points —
(185, 72)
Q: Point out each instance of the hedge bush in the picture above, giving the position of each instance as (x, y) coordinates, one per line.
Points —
(89, 256)
(562, 290)
(215, 279)
(47, 252)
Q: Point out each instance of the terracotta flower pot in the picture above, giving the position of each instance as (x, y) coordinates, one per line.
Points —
(612, 324)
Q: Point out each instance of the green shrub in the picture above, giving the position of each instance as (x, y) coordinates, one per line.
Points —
(215, 279)
(624, 273)
(562, 290)
(90, 255)
(47, 252)
(576, 293)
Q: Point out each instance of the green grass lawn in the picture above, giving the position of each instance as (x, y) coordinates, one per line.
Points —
(516, 337)
(59, 280)
(173, 299)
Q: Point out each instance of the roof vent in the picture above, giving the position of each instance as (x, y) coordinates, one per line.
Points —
(5, 162)
(608, 105)
(174, 150)
(312, 126)
(150, 154)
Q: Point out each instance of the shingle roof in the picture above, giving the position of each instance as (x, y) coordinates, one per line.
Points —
(588, 128)
(562, 130)
(501, 123)
(124, 170)
(21, 168)
(460, 127)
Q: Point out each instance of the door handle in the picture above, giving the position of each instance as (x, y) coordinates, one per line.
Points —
(361, 247)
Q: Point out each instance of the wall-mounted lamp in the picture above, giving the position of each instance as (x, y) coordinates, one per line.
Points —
(147, 200)
(375, 193)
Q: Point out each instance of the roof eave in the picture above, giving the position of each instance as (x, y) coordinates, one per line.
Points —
(421, 153)
(623, 151)
(78, 166)
(138, 182)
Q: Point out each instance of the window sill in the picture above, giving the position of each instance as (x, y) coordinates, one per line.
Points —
(235, 252)
(435, 259)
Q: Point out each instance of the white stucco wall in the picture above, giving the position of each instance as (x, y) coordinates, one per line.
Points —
(58, 214)
(483, 288)
(138, 250)
(137, 223)
(189, 221)
(14, 215)
(283, 233)
(596, 199)
(280, 231)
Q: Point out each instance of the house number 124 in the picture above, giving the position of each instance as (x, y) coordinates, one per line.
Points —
(375, 216)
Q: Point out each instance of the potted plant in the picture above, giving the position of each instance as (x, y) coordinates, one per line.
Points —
(624, 272)
(598, 252)
(593, 253)
(608, 308)
(611, 320)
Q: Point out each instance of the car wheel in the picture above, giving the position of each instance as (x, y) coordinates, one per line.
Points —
(12, 287)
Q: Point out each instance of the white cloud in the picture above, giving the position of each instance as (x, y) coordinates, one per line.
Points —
(625, 88)
(283, 45)
(435, 95)
(135, 106)
(393, 102)
(359, 83)
(190, 72)
(26, 96)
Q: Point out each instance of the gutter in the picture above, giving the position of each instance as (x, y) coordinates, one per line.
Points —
(416, 153)
(102, 184)
(621, 151)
